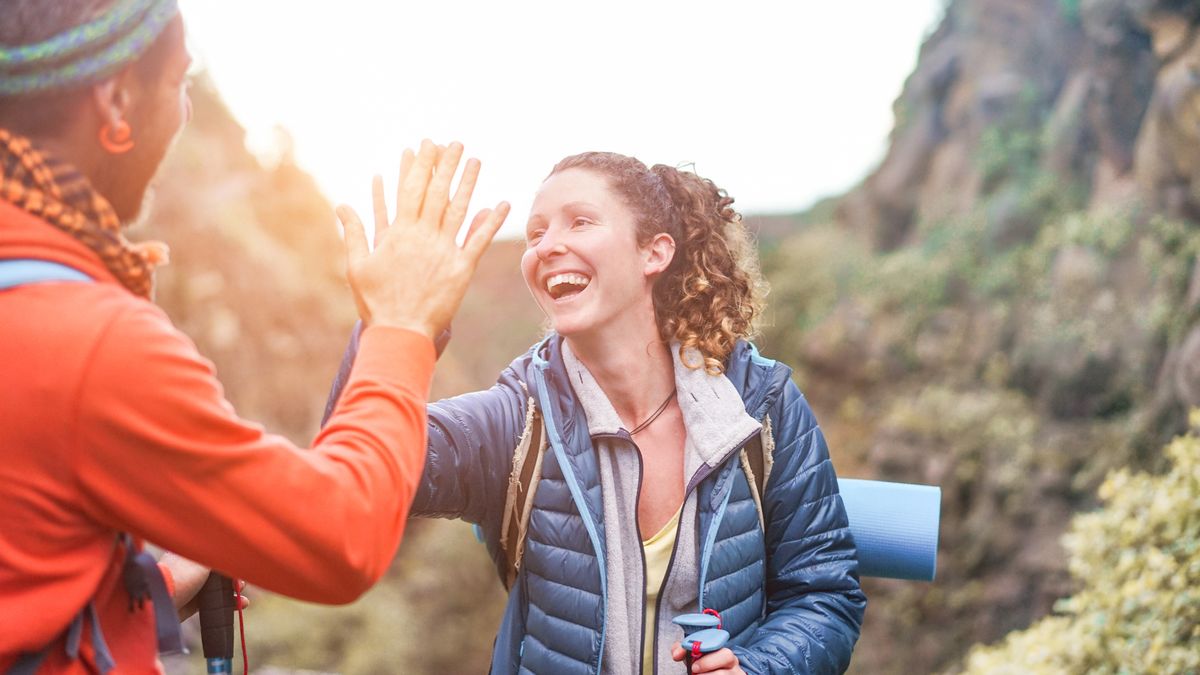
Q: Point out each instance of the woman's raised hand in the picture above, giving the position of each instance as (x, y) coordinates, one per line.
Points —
(417, 274)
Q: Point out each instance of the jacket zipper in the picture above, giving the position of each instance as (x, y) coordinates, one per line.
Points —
(702, 473)
(637, 521)
(637, 524)
(662, 586)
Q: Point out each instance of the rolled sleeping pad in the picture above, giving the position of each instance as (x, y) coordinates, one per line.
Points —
(895, 527)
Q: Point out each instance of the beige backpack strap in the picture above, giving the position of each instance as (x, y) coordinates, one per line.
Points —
(757, 459)
(522, 484)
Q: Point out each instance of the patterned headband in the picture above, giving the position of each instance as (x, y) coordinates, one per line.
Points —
(87, 53)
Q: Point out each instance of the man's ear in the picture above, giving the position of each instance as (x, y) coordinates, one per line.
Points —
(111, 98)
(659, 254)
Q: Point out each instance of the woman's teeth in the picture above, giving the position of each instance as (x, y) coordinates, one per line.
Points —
(561, 285)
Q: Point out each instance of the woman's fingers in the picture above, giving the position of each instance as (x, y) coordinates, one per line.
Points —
(407, 159)
(424, 194)
(485, 226)
(476, 222)
(456, 212)
(434, 206)
(356, 236)
(417, 275)
(720, 661)
(380, 207)
(411, 191)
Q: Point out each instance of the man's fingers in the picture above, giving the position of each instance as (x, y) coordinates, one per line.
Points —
(356, 236)
(434, 206)
(457, 211)
(411, 191)
(483, 229)
(380, 207)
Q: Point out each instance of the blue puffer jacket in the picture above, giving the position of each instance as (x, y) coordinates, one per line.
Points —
(790, 599)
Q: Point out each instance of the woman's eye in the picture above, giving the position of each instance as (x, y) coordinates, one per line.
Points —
(580, 221)
(534, 237)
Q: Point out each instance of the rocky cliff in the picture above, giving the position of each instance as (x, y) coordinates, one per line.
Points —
(1011, 305)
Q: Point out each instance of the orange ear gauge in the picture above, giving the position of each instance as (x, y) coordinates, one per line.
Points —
(116, 141)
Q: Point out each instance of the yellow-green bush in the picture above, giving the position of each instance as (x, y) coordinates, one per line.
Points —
(1137, 561)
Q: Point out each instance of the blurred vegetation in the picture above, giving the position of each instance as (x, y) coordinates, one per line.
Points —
(256, 280)
(1008, 307)
(1136, 562)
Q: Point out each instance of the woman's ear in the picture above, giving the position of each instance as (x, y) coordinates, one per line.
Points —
(659, 254)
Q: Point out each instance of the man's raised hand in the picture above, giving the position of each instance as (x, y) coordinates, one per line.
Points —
(417, 274)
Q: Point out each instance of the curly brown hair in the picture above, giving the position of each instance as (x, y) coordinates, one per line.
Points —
(711, 293)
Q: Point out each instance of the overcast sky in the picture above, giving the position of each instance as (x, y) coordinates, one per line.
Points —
(780, 103)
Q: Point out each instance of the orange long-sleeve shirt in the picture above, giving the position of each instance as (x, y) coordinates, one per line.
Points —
(111, 421)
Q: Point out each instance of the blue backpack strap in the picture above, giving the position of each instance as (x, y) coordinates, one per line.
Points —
(29, 663)
(143, 579)
(22, 271)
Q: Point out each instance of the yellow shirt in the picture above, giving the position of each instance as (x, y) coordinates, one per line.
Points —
(658, 551)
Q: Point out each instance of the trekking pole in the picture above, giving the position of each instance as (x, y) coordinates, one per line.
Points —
(217, 601)
(703, 635)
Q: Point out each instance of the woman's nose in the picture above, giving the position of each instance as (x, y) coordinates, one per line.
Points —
(549, 246)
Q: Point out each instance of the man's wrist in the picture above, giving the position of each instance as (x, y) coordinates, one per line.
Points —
(418, 327)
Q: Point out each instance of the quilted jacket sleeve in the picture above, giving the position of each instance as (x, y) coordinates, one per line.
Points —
(470, 449)
(814, 603)
(471, 442)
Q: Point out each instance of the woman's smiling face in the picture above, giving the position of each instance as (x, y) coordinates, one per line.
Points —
(582, 261)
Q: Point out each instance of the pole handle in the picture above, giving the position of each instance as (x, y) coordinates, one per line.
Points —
(217, 604)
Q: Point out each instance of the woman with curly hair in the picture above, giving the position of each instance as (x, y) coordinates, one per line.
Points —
(644, 398)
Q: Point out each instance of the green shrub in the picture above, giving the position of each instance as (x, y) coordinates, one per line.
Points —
(1137, 562)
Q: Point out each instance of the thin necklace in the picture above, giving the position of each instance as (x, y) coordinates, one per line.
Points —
(655, 414)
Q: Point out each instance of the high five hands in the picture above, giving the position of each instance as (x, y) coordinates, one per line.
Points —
(416, 275)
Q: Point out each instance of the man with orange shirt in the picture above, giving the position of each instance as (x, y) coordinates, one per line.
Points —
(113, 429)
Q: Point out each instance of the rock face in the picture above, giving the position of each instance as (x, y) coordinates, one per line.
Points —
(1014, 308)
(1168, 149)
(1111, 89)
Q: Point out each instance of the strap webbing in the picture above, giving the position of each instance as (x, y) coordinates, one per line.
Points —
(518, 515)
(143, 578)
(20, 272)
(758, 465)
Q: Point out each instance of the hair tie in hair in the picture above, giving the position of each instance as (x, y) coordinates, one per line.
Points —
(88, 53)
